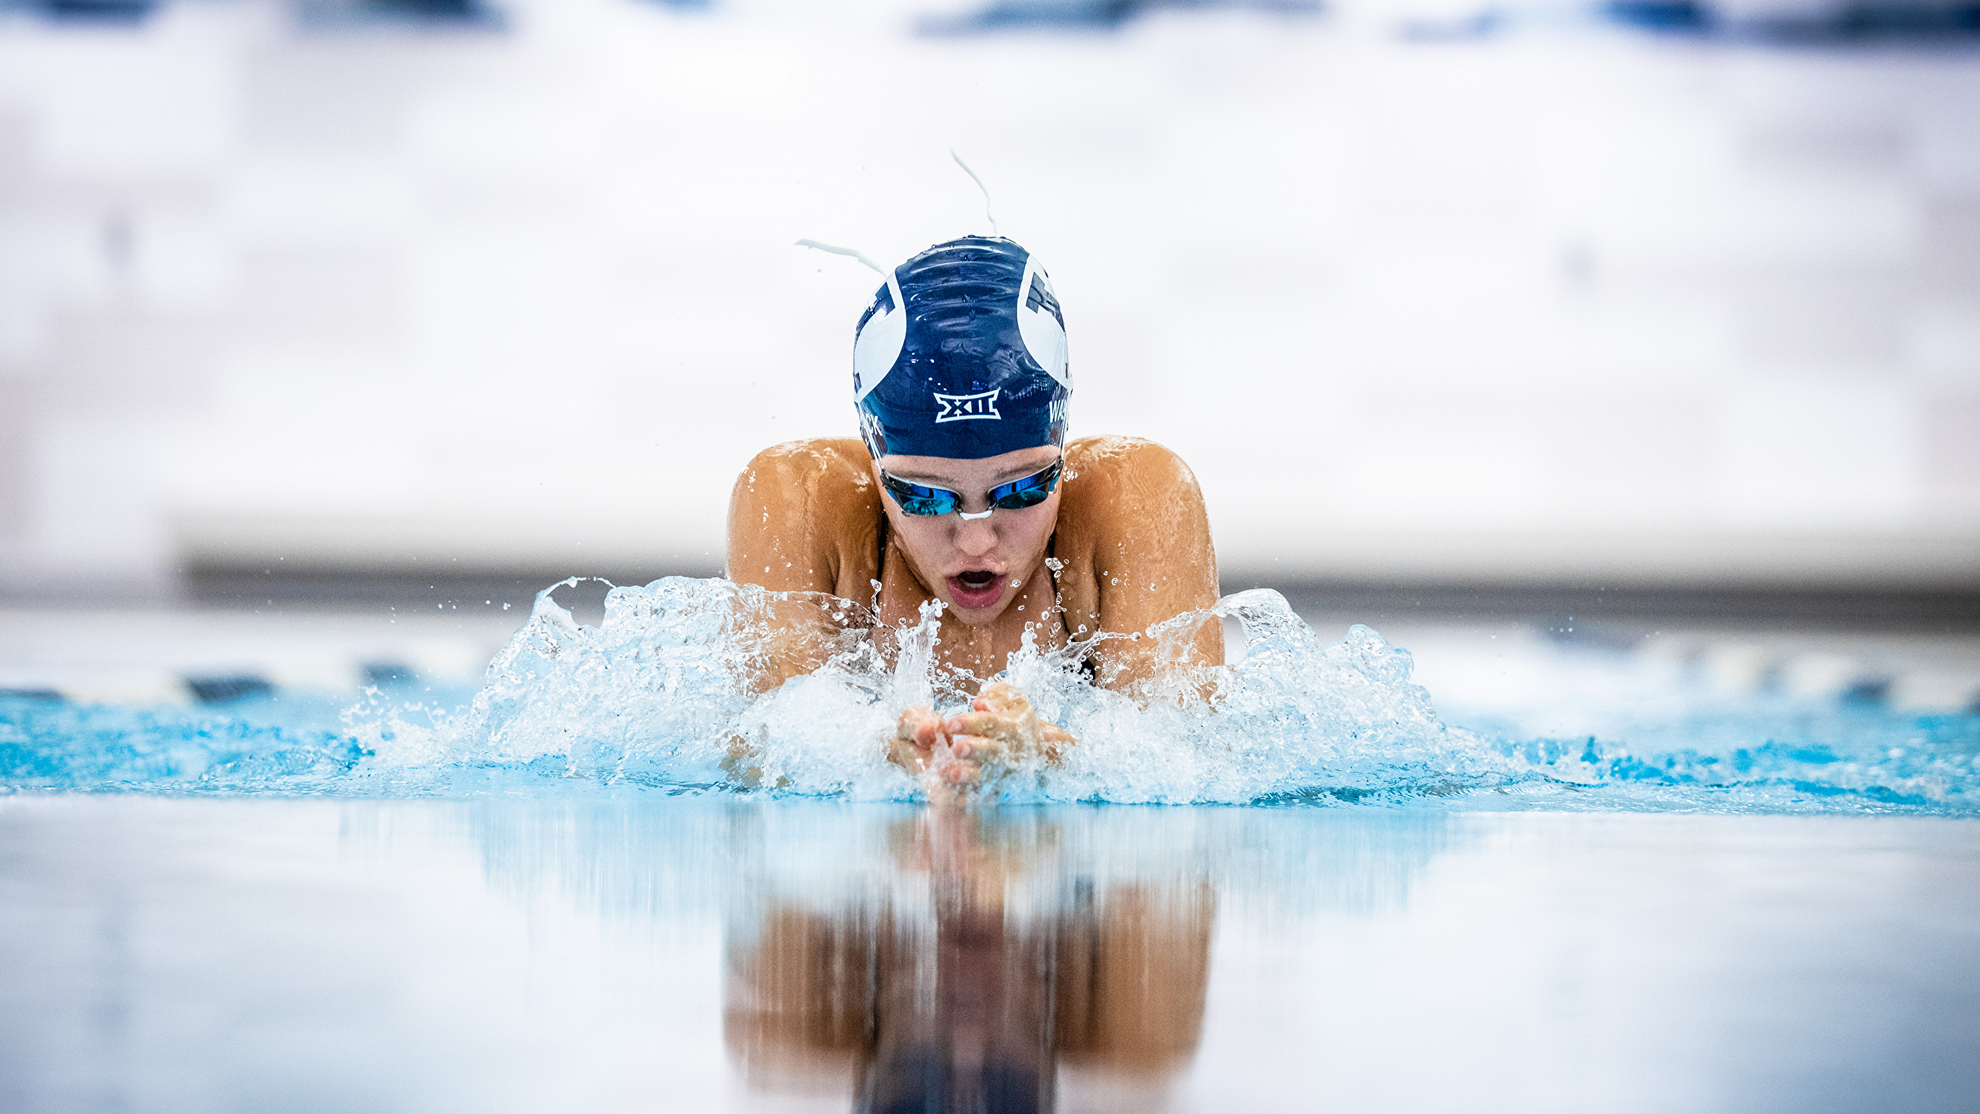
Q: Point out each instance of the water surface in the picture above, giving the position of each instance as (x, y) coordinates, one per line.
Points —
(498, 954)
(657, 698)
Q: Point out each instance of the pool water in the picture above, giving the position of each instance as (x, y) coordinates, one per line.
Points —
(1575, 881)
(723, 953)
(654, 698)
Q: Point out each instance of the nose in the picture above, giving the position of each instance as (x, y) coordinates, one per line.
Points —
(975, 537)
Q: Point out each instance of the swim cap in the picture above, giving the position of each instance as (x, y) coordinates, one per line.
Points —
(962, 354)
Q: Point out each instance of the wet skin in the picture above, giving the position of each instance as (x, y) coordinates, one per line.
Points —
(1127, 523)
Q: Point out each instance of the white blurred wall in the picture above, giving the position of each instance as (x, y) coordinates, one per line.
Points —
(1575, 308)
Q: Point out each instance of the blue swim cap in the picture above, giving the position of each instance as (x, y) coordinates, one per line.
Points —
(962, 354)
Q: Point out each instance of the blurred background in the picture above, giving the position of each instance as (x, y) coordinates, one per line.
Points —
(1648, 306)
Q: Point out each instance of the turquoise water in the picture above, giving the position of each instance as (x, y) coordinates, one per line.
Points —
(653, 699)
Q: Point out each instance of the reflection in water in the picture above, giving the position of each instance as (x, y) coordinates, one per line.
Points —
(1020, 958)
(643, 860)
(194, 955)
(967, 971)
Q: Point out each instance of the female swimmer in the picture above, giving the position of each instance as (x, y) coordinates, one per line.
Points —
(966, 491)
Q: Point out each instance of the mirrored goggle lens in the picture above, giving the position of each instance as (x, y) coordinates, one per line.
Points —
(915, 504)
(918, 500)
(1020, 500)
(1027, 492)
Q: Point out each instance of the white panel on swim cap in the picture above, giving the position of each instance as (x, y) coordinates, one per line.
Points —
(879, 343)
(1044, 337)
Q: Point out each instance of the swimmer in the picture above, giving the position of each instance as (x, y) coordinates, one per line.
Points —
(963, 489)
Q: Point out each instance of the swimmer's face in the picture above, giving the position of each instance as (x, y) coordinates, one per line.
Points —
(971, 564)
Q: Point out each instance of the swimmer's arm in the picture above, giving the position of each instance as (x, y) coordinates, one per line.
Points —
(1145, 556)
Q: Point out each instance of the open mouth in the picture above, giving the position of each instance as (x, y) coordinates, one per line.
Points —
(975, 588)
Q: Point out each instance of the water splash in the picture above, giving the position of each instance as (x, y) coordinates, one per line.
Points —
(660, 693)
(663, 695)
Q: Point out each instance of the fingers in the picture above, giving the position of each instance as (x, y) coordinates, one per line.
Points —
(915, 736)
(979, 749)
(991, 725)
(1053, 740)
(1002, 731)
(903, 754)
(1003, 713)
(965, 764)
(920, 726)
(960, 773)
(1001, 696)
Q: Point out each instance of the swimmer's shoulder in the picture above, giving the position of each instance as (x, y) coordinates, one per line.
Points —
(810, 506)
(1113, 476)
(1133, 535)
(831, 469)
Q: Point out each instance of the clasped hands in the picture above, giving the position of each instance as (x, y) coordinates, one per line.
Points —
(959, 751)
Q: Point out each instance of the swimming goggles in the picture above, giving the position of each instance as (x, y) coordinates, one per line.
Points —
(1014, 496)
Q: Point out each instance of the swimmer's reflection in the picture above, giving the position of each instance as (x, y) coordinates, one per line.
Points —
(965, 979)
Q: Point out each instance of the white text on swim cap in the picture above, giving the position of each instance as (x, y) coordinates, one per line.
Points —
(963, 408)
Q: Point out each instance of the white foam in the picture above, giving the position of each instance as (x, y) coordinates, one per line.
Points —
(659, 692)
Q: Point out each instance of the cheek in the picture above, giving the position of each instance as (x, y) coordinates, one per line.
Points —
(921, 537)
(1033, 531)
